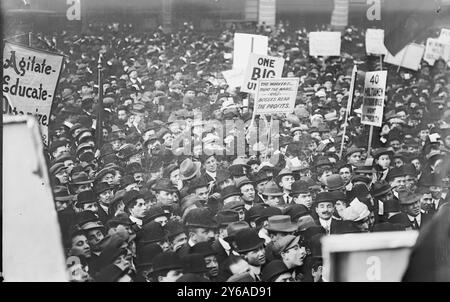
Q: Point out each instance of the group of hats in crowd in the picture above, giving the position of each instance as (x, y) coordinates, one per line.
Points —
(133, 208)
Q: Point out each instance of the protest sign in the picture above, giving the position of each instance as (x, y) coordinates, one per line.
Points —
(436, 49)
(29, 212)
(325, 43)
(367, 257)
(30, 77)
(233, 77)
(244, 45)
(445, 35)
(373, 102)
(375, 42)
(261, 67)
(276, 95)
(409, 57)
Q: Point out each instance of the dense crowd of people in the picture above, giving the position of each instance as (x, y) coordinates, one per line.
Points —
(163, 195)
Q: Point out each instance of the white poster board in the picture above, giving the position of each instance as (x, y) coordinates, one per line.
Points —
(367, 257)
(233, 77)
(436, 49)
(32, 245)
(409, 57)
(276, 95)
(375, 42)
(244, 45)
(261, 67)
(373, 102)
(445, 35)
(325, 43)
(30, 77)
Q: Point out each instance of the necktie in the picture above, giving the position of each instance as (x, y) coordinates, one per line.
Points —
(416, 224)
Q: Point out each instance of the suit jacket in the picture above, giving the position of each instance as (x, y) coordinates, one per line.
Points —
(426, 218)
(221, 253)
(333, 225)
(184, 250)
(102, 215)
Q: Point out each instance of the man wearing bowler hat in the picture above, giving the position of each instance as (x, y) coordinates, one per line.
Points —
(222, 248)
(324, 207)
(382, 159)
(251, 247)
(105, 197)
(247, 188)
(410, 205)
(167, 267)
(301, 194)
(260, 179)
(285, 179)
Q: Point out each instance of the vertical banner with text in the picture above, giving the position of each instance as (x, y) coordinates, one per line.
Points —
(30, 77)
(373, 103)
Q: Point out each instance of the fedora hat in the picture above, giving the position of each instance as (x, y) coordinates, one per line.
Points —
(85, 197)
(229, 191)
(281, 223)
(296, 210)
(380, 188)
(407, 198)
(225, 217)
(272, 189)
(284, 172)
(305, 222)
(300, 187)
(334, 182)
(273, 269)
(189, 169)
(166, 261)
(247, 240)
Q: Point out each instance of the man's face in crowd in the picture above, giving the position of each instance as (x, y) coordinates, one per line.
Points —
(178, 76)
(202, 193)
(158, 84)
(395, 144)
(325, 210)
(412, 209)
(108, 178)
(90, 207)
(139, 178)
(211, 164)
(80, 247)
(117, 177)
(423, 134)
(324, 176)
(106, 197)
(410, 183)
(274, 201)
(178, 241)
(426, 202)
(138, 211)
(417, 164)
(62, 176)
(162, 220)
(95, 236)
(122, 115)
(260, 186)
(203, 235)
(175, 177)
(398, 184)
(354, 159)
(256, 257)
(248, 193)
(165, 198)
(212, 265)
(168, 140)
(384, 161)
(116, 144)
(294, 256)
(286, 182)
(388, 196)
(304, 199)
(398, 162)
(155, 147)
(345, 174)
(436, 192)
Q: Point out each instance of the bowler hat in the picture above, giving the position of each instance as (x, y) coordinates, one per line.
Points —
(334, 182)
(189, 169)
(380, 188)
(272, 189)
(233, 228)
(281, 223)
(203, 248)
(395, 172)
(85, 197)
(382, 151)
(194, 263)
(229, 191)
(407, 198)
(225, 217)
(247, 240)
(255, 211)
(174, 228)
(145, 254)
(285, 243)
(268, 212)
(151, 232)
(200, 218)
(324, 197)
(273, 269)
(166, 261)
(155, 212)
(296, 210)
